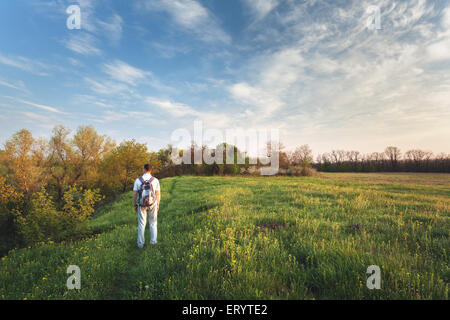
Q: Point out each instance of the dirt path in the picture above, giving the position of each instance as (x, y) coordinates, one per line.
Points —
(136, 255)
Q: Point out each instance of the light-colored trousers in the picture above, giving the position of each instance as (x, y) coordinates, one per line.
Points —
(152, 215)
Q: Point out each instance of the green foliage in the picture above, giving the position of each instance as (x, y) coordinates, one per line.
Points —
(10, 198)
(79, 203)
(44, 222)
(123, 165)
(89, 150)
(21, 157)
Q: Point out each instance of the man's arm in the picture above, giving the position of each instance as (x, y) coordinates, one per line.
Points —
(135, 200)
(158, 197)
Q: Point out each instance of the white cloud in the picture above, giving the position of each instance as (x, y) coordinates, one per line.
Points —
(93, 30)
(36, 105)
(17, 85)
(113, 27)
(439, 50)
(264, 101)
(446, 18)
(191, 16)
(35, 116)
(261, 8)
(121, 71)
(103, 105)
(106, 87)
(25, 64)
(114, 116)
(173, 108)
(277, 73)
(182, 111)
(83, 44)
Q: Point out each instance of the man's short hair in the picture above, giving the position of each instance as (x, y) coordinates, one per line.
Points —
(148, 167)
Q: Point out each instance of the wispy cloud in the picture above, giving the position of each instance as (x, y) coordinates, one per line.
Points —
(36, 105)
(121, 71)
(190, 16)
(173, 108)
(106, 87)
(440, 49)
(35, 116)
(25, 64)
(279, 71)
(17, 85)
(182, 111)
(84, 44)
(261, 8)
(94, 30)
(112, 27)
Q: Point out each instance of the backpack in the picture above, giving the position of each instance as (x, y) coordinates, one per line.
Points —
(147, 197)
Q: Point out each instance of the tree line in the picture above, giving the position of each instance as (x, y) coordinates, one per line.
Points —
(391, 160)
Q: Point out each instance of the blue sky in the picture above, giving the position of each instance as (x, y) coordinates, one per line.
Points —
(312, 69)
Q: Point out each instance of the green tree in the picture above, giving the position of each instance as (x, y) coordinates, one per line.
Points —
(20, 155)
(155, 162)
(89, 149)
(60, 162)
(124, 164)
(9, 199)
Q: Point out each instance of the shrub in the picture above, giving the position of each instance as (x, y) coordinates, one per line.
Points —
(9, 198)
(44, 222)
(302, 171)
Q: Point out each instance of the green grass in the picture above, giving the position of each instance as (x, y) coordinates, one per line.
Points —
(255, 238)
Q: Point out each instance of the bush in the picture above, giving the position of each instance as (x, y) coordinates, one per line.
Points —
(9, 198)
(43, 222)
(302, 171)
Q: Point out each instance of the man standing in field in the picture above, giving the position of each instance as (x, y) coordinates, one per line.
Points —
(146, 198)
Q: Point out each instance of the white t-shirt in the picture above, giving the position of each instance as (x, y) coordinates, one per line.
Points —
(147, 176)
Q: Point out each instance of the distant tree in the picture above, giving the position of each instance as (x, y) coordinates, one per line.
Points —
(60, 164)
(89, 149)
(155, 162)
(301, 156)
(353, 156)
(415, 155)
(442, 156)
(377, 156)
(20, 154)
(419, 157)
(393, 154)
(124, 164)
(337, 156)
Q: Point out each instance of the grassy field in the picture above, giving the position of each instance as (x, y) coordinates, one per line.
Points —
(257, 238)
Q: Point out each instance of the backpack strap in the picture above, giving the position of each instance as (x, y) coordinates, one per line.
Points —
(151, 187)
(141, 179)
